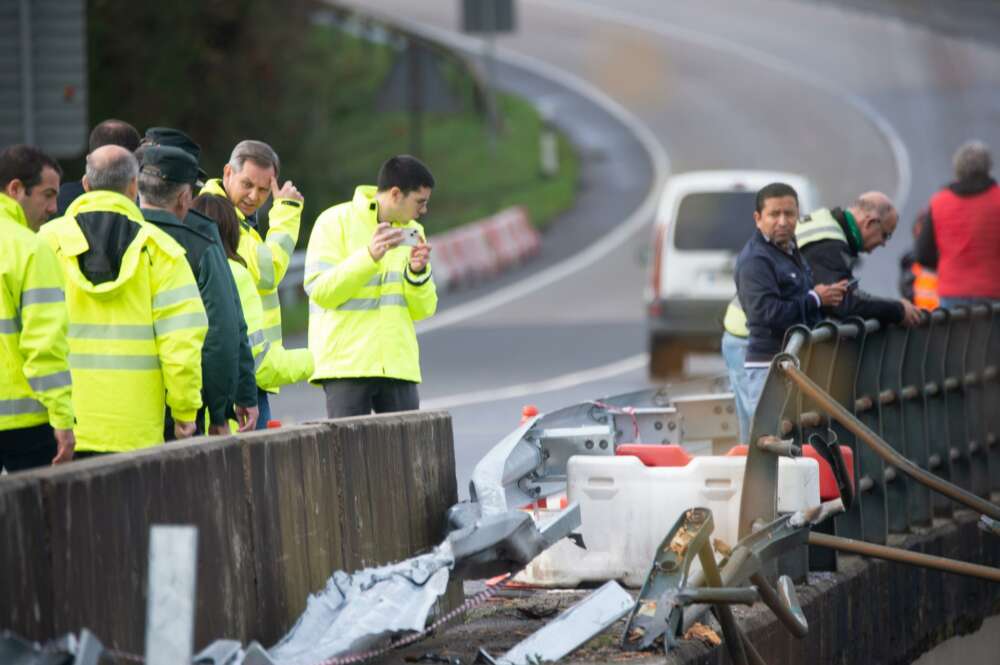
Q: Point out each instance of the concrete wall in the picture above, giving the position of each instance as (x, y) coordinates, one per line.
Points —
(277, 513)
(874, 611)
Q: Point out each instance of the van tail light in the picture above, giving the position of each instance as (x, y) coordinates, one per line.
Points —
(656, 272)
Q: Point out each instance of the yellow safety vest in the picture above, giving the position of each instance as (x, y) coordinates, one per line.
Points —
(361, 313)
(274, 365)
(735, 321)
(267, 260)
(35, 383)
(819, 225)
(135, 341)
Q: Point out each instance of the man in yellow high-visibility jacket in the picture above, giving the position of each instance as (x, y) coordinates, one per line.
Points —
(368, 278)
(250, 177)
(36, 410)
(136, 320)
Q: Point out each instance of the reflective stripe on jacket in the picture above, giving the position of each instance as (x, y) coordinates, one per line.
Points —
(361, 312)
(35, 383)
(274, 364)
(135, 333)
(267, 260)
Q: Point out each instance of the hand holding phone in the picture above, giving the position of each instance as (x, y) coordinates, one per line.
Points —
(411, 237)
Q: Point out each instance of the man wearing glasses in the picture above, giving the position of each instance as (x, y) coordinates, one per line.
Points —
(831, 240)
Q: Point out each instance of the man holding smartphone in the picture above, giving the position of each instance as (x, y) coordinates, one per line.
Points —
(831, 240)
(368, 277)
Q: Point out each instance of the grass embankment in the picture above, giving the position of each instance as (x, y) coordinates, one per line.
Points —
(474, 178)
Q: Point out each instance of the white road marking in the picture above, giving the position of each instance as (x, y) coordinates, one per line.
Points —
(563, 382)
(899, 152)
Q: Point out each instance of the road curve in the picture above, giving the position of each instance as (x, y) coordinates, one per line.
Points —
(855, 101)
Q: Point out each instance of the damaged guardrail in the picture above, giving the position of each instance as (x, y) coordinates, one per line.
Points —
(917, 407)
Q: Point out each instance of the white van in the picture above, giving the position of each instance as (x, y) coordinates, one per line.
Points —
(704, 220)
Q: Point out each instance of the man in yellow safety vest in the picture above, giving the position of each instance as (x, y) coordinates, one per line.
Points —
(36, 410)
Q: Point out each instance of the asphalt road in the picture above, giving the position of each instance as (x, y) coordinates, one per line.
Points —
(855, 101)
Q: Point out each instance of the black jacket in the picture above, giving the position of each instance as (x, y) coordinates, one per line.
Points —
(774, 288)
(220, 353)
(68, 191)
(834, 260)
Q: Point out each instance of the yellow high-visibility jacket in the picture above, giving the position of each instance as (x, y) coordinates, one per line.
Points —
(735, 321)
(136, 323)
(35, 384)
(274, 365)
(267, 260)
(361, 313)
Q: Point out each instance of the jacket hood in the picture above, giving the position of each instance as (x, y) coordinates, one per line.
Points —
(972, 186)
(11, 209)
(364, 198)
(105, 233)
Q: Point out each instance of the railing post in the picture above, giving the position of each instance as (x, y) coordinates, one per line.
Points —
(871, 470)
(991, 395)
(914, 414)
(891, 422)
(972, 385)
(954, 398)
(937, 413)
(820, 357)
(842, 385)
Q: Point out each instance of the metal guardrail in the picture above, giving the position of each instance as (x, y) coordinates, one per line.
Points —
(920, 407)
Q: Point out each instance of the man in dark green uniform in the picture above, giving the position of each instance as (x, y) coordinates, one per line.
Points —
(166, 179)
(246, 387)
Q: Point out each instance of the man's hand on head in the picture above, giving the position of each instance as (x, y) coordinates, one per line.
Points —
(420, 256)
(287, 191)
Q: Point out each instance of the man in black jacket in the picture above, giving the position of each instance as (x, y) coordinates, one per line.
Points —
(831, 239)
(775, 285)
(166, 178)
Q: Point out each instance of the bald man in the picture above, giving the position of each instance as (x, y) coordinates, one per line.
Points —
(831, 240)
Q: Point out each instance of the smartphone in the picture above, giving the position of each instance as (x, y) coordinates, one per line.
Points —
(411, 237)
(853, 284)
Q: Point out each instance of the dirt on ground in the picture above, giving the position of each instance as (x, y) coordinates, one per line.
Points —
(510, 617)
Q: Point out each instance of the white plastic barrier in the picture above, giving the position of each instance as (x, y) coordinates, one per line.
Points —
(627, 509)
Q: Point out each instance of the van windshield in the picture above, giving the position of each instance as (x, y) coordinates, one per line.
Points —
(714, 221)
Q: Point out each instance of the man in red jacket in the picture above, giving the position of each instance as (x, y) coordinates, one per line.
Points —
(961, 237)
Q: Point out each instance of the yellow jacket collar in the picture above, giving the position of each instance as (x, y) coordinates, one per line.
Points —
(364, 201)
(12, 210)
(105, 201)
(215, 187)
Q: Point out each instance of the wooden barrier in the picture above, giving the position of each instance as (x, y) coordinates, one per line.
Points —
(277, 512)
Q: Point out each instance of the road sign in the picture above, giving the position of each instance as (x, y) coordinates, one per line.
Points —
(43, 75)
(488, 16)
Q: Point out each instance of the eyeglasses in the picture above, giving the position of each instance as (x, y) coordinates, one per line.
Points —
(886, 235)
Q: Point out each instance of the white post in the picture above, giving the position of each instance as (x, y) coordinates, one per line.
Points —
(173, 560)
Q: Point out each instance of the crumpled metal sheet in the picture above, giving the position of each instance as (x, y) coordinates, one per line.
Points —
(355, 612)
(499, 471)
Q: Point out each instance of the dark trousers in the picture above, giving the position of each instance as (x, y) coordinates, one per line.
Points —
(263, 409)
(26, 448)
(359, 397)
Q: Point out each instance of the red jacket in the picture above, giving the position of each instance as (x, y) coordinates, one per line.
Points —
(967, 234)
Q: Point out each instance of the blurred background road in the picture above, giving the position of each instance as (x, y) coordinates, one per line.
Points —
(855, 101)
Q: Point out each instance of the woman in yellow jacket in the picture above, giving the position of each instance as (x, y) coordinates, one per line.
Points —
(274, 365)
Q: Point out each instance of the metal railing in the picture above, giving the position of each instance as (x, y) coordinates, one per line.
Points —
(919, 407)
